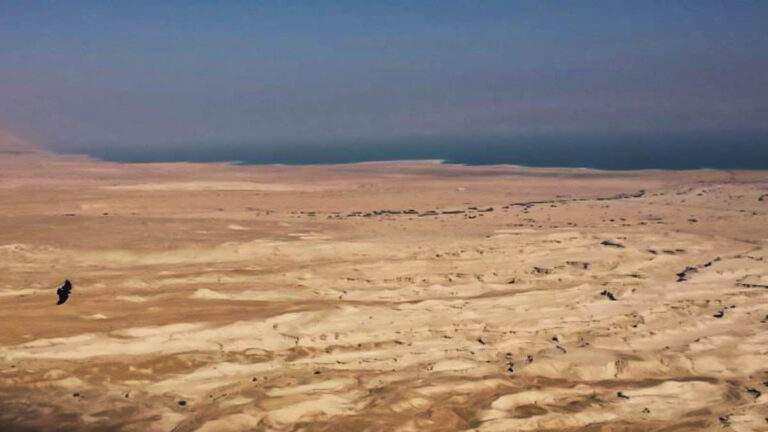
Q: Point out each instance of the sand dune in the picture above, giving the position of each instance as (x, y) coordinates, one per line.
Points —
(219, 186)
(381, 297)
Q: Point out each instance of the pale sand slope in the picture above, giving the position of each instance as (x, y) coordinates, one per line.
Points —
(261, 298)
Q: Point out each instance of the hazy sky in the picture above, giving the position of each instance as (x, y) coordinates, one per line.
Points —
(74, 72)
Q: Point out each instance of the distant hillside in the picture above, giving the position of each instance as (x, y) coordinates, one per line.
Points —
(11, 145)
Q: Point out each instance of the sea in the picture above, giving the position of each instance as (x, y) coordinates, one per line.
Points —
(626, 151)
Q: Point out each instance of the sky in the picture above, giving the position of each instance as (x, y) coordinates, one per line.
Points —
(99, 73)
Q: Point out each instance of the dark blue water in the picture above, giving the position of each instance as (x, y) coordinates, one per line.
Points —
(674, 151)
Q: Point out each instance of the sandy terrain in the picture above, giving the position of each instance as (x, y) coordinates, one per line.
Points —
(380, 297)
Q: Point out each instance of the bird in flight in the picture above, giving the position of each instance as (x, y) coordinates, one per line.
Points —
(63, 292)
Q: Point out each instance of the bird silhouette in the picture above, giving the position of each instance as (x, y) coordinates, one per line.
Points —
(63, 292)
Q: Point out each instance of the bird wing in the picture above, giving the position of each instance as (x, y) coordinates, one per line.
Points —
(63, 292)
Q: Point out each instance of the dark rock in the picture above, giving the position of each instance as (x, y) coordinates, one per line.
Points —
(578, 264)
(608, 294)
(612, 243)
(683, 275)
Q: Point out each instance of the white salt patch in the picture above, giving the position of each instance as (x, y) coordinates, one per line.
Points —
(132, 299)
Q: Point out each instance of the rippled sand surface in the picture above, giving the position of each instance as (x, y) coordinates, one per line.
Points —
(380, 297)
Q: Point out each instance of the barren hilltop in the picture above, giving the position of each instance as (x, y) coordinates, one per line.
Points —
(11, 145)
(403, 296)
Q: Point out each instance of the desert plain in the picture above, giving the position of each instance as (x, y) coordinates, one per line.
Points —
(397, 296)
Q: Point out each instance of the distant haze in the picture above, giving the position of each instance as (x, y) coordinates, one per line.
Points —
(92, 75)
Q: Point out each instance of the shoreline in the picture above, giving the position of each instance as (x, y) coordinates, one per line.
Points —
(396, 162)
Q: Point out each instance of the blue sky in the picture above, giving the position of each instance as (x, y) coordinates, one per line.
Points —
(76, 73)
